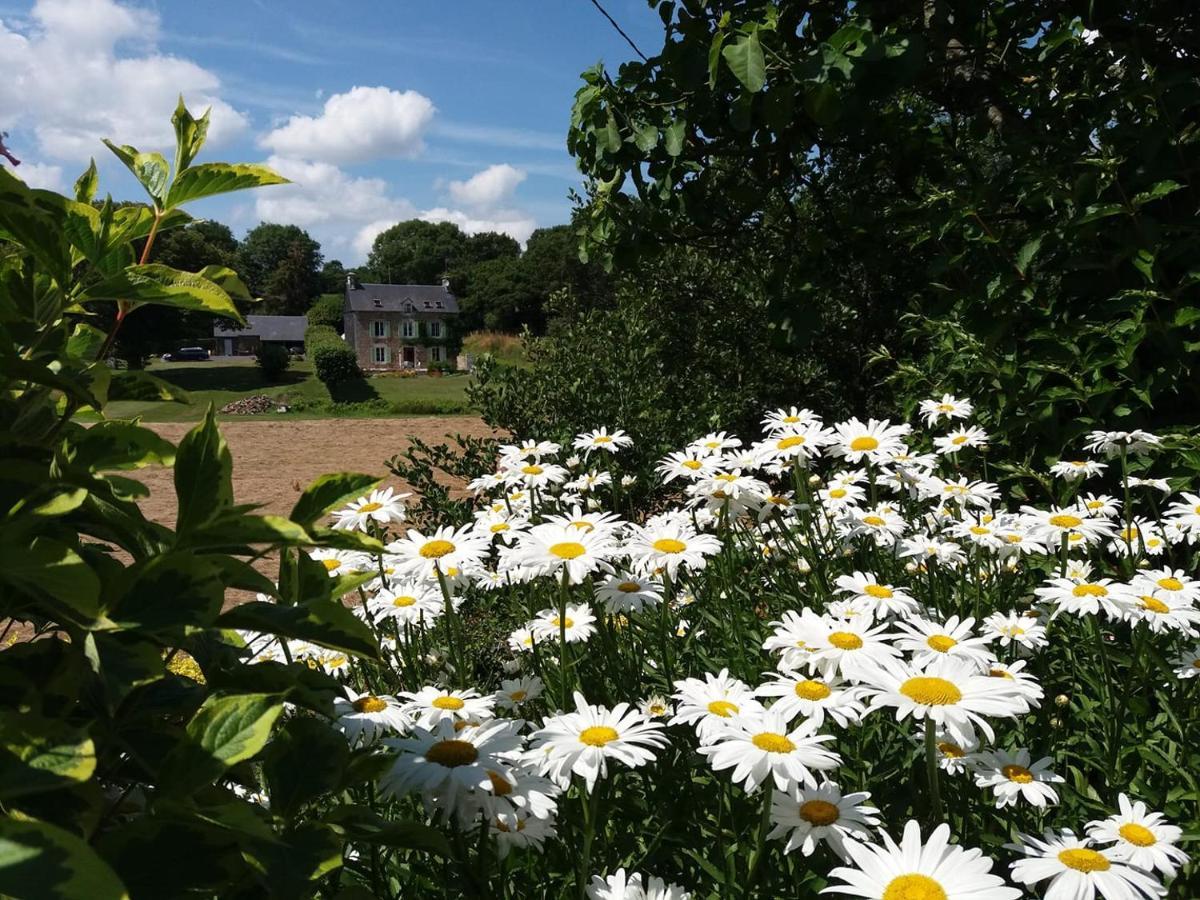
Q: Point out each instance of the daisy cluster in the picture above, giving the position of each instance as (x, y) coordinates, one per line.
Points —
(880, 636)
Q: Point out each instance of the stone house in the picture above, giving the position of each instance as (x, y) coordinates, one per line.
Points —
(400, 326)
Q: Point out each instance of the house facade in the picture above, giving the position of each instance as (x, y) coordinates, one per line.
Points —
(400, 326)
(229, 339)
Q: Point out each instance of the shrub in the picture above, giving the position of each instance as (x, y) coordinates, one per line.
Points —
(333, 359)
(134, 731)
(274, 360)
(327, 311)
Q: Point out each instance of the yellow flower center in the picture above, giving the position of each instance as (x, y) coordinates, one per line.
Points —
(331, 564)
(517, 696)
(794, 440)
(945, 407)
(532, 470)
(819, 812)
(1081, 859)
(929, 691)
(583, 526)
(500, 785)
(692, 464)
(669, 545)
(602, 439)
(845, 640)
(874, 521)
(770, 742)
(958, 440)
(1019, 774)
(951, 750)
(812, 690)
(1170, 584)
(370, 507)
(722, 708)
(1138, 835)
(629, 587)
(878, 591)
(942, 643)
(452, 753)
(1089, 590)
(436, 549)
(447, 702)
(369, 704)
(1064, 520)
(568, 622)
(598, 735)
(837, 493)
(914, 887)
(1154, 605)
(499, 527)
(864, 443)
(336, 662)
(1095, 504)
(568, 550)
(1001, 673)
(979, 529)
(404, 601)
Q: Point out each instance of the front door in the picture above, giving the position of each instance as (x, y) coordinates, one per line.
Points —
(409, 357)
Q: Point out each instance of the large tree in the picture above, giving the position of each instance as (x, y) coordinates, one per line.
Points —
(1019, 175)
(416, 252)
(281, 264)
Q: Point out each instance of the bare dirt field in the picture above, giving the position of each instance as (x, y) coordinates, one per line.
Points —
(274, 461)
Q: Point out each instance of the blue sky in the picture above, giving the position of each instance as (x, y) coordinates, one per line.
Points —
(454, 110)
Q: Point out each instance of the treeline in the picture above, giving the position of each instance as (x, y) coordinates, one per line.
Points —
(499, 285)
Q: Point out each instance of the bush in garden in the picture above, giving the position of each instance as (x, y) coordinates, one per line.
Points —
(327, 311)
(137, 743)
(274, 360)
(333, 359)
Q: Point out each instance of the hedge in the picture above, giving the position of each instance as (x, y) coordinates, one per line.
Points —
(333, 360)
(327, 311)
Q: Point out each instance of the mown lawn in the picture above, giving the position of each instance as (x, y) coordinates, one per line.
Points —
(222, 381)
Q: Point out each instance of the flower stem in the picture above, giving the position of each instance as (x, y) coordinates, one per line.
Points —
(931, 770)
(591, 812)
(760, 843)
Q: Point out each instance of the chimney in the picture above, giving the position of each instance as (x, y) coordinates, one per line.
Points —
(446, 283)
(351, 282)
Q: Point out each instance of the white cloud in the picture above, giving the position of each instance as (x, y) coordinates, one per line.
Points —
(39, 175)
(66, 81)
(515, 224)
(363, 124)
(487, 189)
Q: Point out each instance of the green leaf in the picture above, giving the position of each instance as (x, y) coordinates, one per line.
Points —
(1099, 211)
(141, 385)
(237, 529)
(323, 621)
(85, 184)
(673, 137)
(118, 445)
(1158, 190)
(189, 136)
(168, 592)
(361, 824)
(49, 568)
(164, 286)
(203, 474)
(746, 62)
(225, 731)
(43, 861)
(1027, 252)
(328, 492)
(39, 754)
(307, 758)
(228, 281)
(210, 179)
(150, 169)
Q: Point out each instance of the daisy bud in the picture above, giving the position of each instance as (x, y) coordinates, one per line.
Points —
(802, 566)
(512, 666)
(814, 480)
(1055, 722)
(1062, 700)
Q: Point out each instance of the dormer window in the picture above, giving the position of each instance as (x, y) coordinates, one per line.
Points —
(440, 305)
(378, 303)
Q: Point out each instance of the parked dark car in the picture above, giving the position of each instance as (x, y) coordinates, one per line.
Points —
(187, 354)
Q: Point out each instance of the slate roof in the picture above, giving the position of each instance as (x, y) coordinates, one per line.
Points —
(396, 297)
(265, 328)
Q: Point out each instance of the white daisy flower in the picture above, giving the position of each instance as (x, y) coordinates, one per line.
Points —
(577, 626)
(629, 593)
(1141, 838)
(1077, 469)
(927, 640)
(688, 465)
(1085, 598)
(809, 816)
(381, 507)
(1078, 871)
(449, 761)
(715, 444)
(875, 441)
(1012, 776)
(1111, 443)
(431, 705)
(843, 646)
(812, 698)
(787, 418)
(602, 439)
(555, 549)
(409, 602)
(668, 545)
(516, 692)
(1052, 525)
(656, 706)
(758, 746)
(916, 870)
(520, 831)
(364, 717)
(1187, 663)
(948, 407)
(620, 886)
(960, 439)
(583, 742)
(710, 704)
(460, 549)
(1100, 505)
(1015, 628)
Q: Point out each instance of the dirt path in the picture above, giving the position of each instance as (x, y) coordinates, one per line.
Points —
(274, 461)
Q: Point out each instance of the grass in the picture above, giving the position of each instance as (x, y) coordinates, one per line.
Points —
(223, 380)
(505, 347)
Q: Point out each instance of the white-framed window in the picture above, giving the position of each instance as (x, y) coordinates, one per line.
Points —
(435, 354)
(408, 328)
(379, 328)
(435, 329)
(380, 353)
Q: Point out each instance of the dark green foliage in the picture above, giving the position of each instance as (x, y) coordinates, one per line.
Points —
(996, 203)
(429, 469)
(333, 359)
(274, 360)
(328, 311)
(129, 714)
(665, 376)
(333, 277)
(415, 252)
(281, 264)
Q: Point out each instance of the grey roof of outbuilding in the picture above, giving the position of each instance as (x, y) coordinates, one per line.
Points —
(393, 297)
(265, 328)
